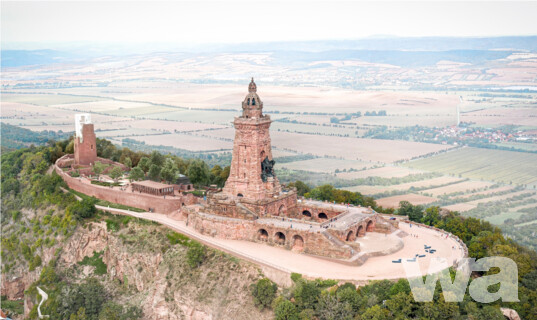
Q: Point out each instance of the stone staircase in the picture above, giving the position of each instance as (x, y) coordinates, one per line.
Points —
(246, 211)
(334, 240)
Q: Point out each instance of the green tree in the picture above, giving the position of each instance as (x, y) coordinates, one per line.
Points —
(306, 294)
(400, 306)
(116, 173)
(157, 158)
(83, 209)
(432, 216)
(216, 171)
(349, 295)
(154, 172)
(79, 315)
(195, 254)
(530, 280)
(127, 162)
(264, 292)
(301, 187)
(286, 310)
(414, 213)
(198, 173)
(98, 168)
(330, 307)
(169, 171)
(144, 164)
(111, 311)
(136, 174)
(224, 174)
(376, 313)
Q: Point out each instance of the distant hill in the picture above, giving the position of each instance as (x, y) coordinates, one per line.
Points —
(393, 50)
(14, 137)
(397, 58)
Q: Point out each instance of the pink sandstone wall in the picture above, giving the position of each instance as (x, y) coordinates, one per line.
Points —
(133, 199)
(227, 228)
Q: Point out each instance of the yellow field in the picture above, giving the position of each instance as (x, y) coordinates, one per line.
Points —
(383, 172)
(415, 199)
(368, 150)
(323, 165)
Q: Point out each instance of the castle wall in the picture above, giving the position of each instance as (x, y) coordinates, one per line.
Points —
(132, 199)
(314, 243)
(303, 209)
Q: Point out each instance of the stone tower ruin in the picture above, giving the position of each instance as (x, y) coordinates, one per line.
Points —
(85, 140)
(252, 173)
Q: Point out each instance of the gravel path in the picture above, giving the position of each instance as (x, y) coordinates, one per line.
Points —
(373, 269)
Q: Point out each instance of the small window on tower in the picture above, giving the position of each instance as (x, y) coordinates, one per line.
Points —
(248, 101)
(91, 147)
(253, 101)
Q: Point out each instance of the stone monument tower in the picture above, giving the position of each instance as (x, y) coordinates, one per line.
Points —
(252, 168)
(85, 140)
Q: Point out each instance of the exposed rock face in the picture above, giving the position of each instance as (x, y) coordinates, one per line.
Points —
(144, 269)
(157, 277)
(510, 314)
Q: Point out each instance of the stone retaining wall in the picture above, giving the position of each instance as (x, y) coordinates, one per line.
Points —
(313, 243)
(132, 199)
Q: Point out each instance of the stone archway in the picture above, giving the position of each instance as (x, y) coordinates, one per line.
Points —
(298, 243)
(350, 236)
(360, 232)
(279, 238)
(239, 195)
(322, 216)
(306, 213)
(370, 226)
(262, 235)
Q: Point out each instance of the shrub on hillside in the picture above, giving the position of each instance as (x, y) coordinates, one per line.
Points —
(195, 254)
(264, 292)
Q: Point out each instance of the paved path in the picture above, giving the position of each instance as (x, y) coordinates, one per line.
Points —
(44, 297)
(289, 261)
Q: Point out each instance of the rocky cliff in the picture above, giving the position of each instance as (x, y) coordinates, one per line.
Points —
(143, 268)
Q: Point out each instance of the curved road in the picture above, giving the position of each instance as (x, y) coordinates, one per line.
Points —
(288, 261)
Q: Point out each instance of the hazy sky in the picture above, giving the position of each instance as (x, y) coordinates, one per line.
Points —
(253, 21)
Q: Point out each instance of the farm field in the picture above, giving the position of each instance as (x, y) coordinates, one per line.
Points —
(47, 99)
(493, 165)
(336, 130)
(104, 106)
(187, 142)
(463, 186)
(370, 190)
(326, 165)
(372, 150)
(500, 197)
(383, 172)
(460, 207)
(488, 191)
(500, 218)
(501, 116)
(415, 199)
(519, 145)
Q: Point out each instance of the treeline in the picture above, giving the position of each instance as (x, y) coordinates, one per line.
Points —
(329, 193)
(159, 167)
(14, 137)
